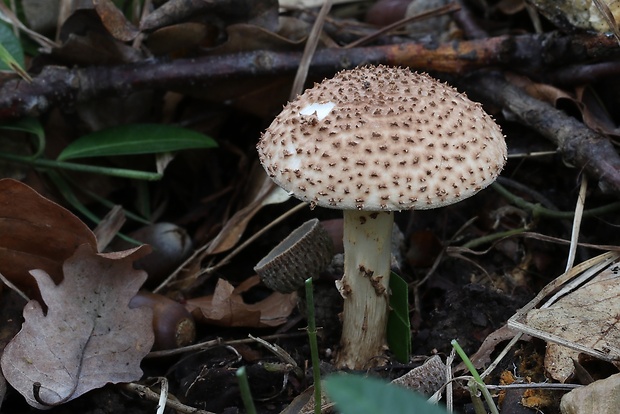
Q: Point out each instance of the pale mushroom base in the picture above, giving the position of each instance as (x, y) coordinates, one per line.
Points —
(365, 287)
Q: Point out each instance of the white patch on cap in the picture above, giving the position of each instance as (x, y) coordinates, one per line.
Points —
(321, 109)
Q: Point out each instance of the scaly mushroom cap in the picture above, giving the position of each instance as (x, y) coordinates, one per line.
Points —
(382, 138)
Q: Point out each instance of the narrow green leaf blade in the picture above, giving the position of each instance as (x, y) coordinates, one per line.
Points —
(11, 52)
(133, 139)
(358, 395)
(32, 126)
(398, 326)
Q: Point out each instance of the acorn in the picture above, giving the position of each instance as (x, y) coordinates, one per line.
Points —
(171, 246)
(173, 324)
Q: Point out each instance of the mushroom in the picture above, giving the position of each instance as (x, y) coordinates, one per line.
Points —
(371, 141)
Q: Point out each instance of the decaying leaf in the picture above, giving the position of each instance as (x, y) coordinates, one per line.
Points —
(265, 193)
(36, 233)
(600, 397)
(587, 318)
(426, 379)
(89, 336)
(182, 36)
(599, 15)
(583, 99)
(560, 361)
(226, 306)
(114, 20)
(94, 46)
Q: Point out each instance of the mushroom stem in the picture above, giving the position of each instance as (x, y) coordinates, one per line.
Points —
(364, 286)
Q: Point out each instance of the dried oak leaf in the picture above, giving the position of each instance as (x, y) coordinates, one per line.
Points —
(226, 306)
(35, 233)
(89, 336)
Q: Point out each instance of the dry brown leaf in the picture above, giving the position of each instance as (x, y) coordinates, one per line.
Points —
(109, 227)
(595, 115)
(246, 37)
(540, 91)
(179, 37)
(583, 100)
(587, 317)
(89, 336)
(86, 41)
(36, 233)
(559, 362)
(266, 192)
(426, 379)
(226, 306)
(114, 21)
(510, 7)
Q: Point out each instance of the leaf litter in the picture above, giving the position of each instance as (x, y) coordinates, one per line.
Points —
(226, 307)
(78, 332)
(262, 98)
(89, 336)
(583, 321)
(35, 233)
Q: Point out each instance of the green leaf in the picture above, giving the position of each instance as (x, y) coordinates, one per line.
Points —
(398, 325)
(32, 126)
(136, 139)
(358, 395)
(69, 195)
(11, 52)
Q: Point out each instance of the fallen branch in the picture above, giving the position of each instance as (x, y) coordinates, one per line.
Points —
(65, 87)
(578, 144)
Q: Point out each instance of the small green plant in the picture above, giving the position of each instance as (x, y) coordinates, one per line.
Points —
(476, 385)
(124, 140)
(11, 53)
(314, 348)
(244, 388)
(398, 324)
(364, 395)
(130, 139)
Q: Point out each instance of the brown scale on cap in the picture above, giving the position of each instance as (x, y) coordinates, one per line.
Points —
(382, 138)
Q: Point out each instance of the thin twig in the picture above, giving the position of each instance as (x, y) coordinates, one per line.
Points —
(145, 392)
(310, 48)
(216, 343)
(574, 237)
(439, 11)
(252, 238)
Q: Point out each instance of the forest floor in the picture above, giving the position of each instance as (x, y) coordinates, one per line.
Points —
(87, 132)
